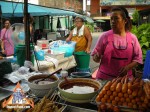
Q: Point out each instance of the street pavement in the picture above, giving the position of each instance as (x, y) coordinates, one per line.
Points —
(94, 65)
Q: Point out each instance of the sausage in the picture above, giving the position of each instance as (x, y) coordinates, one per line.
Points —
(107, 86)
(125, 85)
(113, 86)
(119, 87)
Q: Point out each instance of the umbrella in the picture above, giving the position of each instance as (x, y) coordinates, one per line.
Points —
(100, 20)
(58, 23)
(88, 19)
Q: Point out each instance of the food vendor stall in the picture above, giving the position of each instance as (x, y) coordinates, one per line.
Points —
(118, 95)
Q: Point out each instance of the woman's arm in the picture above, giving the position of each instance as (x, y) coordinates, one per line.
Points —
(137, 57)
(3, 31)
(31, 29)
(123, 71)
(70, 36)
(99, 48)
(2, 47)
(89, 38)
(96, 58)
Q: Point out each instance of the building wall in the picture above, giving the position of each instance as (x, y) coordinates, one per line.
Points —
(105, 8)
(29, 1)
(52, 3)
(74, 5)
(95, 9)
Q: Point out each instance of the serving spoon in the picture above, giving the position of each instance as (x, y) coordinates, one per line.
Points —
(48, 76)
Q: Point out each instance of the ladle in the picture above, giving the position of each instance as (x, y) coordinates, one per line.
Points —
(48, 76)
(64, 75)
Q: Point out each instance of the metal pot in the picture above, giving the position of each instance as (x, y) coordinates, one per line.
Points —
(79, 96)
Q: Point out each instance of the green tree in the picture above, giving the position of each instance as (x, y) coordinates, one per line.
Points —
(135, 17)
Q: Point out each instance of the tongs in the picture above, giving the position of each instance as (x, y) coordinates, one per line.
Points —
(48, 76)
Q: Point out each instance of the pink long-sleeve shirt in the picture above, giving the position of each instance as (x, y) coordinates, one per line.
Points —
(119, 42)
(8, 43)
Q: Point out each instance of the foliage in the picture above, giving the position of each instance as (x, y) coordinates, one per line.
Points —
(90, 26)
(143, 34)
(72, 27)
(135, 16)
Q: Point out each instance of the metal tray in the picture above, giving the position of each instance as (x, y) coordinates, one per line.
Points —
(75, 109)
(4, 93)
(122, 108)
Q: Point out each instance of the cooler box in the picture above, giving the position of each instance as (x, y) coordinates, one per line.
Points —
(43, 43)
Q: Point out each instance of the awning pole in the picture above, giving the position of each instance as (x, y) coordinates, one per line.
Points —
(1, 23)
(51, 23)
(69, 23)
(27, 33)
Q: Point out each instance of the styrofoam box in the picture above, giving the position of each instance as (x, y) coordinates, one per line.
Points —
(56, 55)
(42, 43)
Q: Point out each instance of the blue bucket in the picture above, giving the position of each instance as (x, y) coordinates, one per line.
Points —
(40, 55)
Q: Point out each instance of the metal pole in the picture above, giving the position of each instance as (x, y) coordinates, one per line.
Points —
(1, 22)
(51, 23)
(69, 23)
(27, 33)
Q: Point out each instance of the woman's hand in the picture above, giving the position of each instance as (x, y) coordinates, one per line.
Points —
(68, 39)
(96, 58)
(88, 50)
(3, 51)
(123, 71)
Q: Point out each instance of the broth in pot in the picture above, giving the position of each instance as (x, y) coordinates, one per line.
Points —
(79, 88)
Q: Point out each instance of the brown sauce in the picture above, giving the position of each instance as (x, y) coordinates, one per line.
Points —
(79, 88)
(43, 82)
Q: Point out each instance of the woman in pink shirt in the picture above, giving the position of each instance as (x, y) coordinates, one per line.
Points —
(117, 50)
(7, 46)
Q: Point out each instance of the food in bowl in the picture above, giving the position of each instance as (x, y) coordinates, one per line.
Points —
(43, 82)
(36, 78)
(41, 87)
(79, 88)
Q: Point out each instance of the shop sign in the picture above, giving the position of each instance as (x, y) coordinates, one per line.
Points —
(18, 99)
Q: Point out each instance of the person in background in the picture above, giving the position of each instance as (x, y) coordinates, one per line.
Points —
(31, 20)
(81, 35)
(117, 50)
(7, 45)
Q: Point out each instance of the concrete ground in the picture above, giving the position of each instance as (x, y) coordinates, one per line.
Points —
(94, 65)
